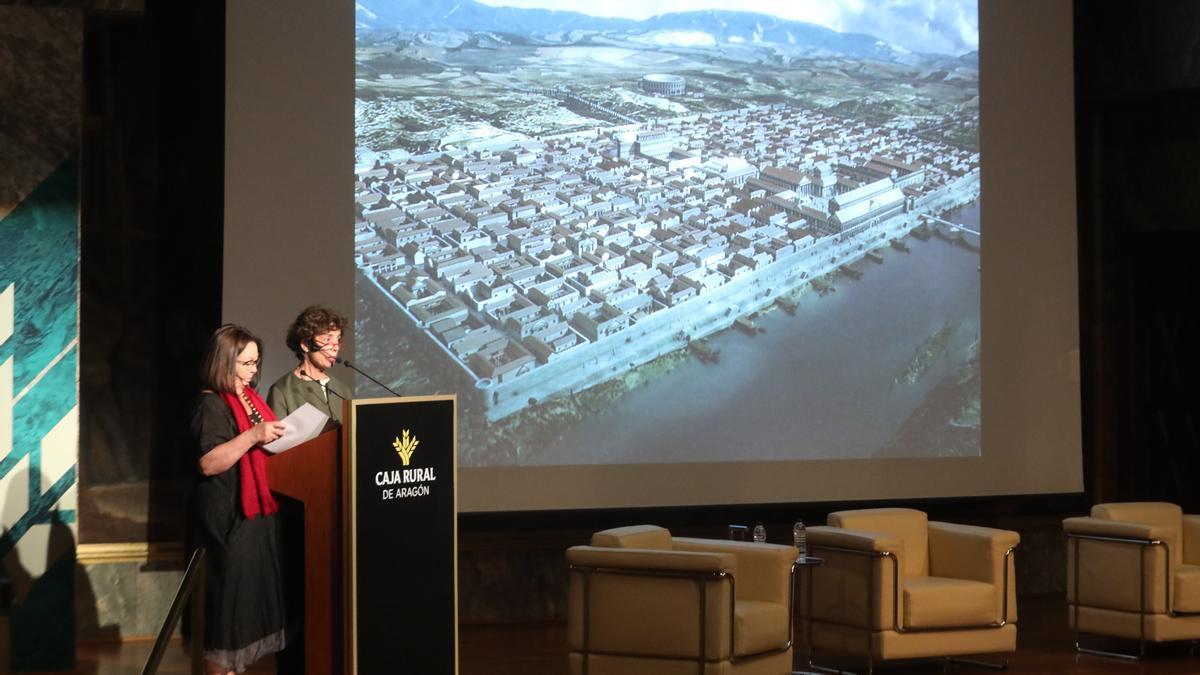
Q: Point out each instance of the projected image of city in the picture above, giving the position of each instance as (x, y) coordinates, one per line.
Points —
(680, 233)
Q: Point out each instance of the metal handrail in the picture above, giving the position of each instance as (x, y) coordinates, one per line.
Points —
(190, 587)
(702, 579)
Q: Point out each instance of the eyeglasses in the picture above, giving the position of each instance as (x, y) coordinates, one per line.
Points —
(247, 364)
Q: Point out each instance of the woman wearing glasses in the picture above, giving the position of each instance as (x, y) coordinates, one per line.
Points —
(233, 515)
(315, 337)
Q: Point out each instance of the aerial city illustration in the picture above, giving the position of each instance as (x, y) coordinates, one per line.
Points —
(672, 236)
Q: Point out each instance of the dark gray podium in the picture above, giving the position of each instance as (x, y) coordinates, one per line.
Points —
(401, 507)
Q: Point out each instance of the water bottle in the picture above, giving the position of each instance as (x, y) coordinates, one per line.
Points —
(800, 539)
(760, 534)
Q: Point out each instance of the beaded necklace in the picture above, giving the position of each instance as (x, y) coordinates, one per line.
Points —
(255, 416)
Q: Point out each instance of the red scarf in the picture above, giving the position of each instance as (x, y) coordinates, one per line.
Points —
(252, 467)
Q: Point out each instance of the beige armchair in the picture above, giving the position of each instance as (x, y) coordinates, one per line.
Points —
(642, 602)
(896, 586)
(1133, 571)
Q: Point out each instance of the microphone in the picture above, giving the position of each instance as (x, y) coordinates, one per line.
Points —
(312, 345)
(351, 366)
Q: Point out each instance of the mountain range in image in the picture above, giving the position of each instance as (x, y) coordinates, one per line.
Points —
(559, 27)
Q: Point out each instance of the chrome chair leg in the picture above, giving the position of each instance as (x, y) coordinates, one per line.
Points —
(1091, 651)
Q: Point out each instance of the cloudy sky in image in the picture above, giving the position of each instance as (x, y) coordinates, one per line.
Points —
(938, 26)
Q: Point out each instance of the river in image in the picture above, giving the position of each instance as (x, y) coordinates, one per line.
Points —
(819, 384)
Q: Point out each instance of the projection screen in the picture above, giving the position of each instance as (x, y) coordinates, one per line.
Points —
(673, 252)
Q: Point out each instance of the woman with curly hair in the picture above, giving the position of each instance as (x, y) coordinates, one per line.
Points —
(315, 337)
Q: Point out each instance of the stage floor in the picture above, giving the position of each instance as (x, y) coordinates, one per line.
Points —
(1045, 648)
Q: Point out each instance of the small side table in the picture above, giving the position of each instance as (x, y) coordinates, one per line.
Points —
(806, 564)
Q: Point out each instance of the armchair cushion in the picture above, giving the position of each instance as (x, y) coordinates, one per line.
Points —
(1191, 540)
(1187, 588)
(942, 602)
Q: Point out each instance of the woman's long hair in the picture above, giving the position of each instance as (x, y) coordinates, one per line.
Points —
(220, 360)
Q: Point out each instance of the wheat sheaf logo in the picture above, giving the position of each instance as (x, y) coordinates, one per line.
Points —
(405, 446)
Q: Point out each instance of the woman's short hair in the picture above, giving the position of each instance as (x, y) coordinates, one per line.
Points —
(310, 323)
(220, 360)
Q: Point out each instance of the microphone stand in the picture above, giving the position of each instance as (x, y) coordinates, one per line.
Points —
(356, 369)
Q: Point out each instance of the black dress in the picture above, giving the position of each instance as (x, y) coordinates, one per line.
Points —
(243, 589)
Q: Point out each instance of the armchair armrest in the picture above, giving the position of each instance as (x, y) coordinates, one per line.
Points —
(857, 540)
(1119, 565)
(651, 560)
(1117, 529)
(764, 570)
(1191, 540)
(651, 602)
(861, 583)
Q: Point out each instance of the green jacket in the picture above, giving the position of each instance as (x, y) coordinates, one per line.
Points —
(290, 392)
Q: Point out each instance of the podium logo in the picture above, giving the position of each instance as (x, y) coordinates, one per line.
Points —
(405, 446)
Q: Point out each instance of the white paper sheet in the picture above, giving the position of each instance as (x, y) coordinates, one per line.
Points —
(303, 425)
